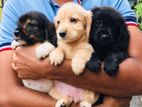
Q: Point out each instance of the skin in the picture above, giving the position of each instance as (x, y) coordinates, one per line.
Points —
(12, 93)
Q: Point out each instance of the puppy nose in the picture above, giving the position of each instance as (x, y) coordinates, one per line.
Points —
(62, 34)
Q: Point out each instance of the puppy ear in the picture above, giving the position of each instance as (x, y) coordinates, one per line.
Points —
(55, 21)
(88, 21)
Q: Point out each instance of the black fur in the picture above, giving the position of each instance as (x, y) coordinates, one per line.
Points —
(110, 39)
(35, 27)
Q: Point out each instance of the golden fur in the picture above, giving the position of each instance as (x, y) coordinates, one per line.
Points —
(72, 28)
(75, 21)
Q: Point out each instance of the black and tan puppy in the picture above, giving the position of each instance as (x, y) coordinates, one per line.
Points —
(34, 27)
(110, 39)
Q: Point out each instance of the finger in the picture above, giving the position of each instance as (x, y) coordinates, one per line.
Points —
(25, 76)
(19, 76)
(13, 65)
(22, 76)
(15, 68)
(16, 59)
(21, 59)
(20, 69)
(20, 54)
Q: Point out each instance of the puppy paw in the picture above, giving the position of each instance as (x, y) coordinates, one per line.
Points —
(94, 64)
(64, 102)
(85, 104)
(44, 49)
(56, 57)
(15, 44)
(78, 65)
(111, 67)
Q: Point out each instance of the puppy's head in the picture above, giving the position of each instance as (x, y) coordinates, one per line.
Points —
(33, 27)
(107, 26)
(72, 23)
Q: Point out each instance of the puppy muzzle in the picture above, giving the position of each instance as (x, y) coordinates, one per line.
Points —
(103, 36)
(62, 34)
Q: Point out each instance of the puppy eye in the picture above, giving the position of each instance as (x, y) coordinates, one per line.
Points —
(73, 20)
(58, 22)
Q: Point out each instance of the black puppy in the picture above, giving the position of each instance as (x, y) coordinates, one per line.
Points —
(34, 27)
(110, 39)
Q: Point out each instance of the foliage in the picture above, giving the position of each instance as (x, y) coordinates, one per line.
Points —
(138, 10)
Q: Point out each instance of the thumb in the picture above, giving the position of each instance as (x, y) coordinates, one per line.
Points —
(20, 58)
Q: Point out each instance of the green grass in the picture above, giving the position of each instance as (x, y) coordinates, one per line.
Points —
(0, 10)
(138, 10)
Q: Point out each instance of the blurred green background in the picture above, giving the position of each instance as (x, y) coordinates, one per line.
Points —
(0, 7)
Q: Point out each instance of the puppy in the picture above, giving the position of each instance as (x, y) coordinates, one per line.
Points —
(110, 39)
(34, 27)
(72, 28)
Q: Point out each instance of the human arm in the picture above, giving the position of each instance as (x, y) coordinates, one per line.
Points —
(110, 101)
(12, 93)
(125, 81)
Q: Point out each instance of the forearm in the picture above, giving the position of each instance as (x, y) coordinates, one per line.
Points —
(22, 97)
(126, 80)
(125, 83)
(12, 94)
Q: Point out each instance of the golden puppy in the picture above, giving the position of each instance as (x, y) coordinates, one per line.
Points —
(72, 28)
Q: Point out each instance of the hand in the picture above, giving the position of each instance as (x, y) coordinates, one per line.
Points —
(27, 65)
(74, 105)
(115, 102)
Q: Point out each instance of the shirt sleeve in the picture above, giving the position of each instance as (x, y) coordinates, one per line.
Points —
(124, 8)
(7, 26)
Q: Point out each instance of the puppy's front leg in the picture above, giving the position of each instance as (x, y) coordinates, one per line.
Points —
(56, 57)
(80, 59)
(62, 100)
(44, 49)
(94, 64)
(89, 98)
(112, 61)
(16, 44)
